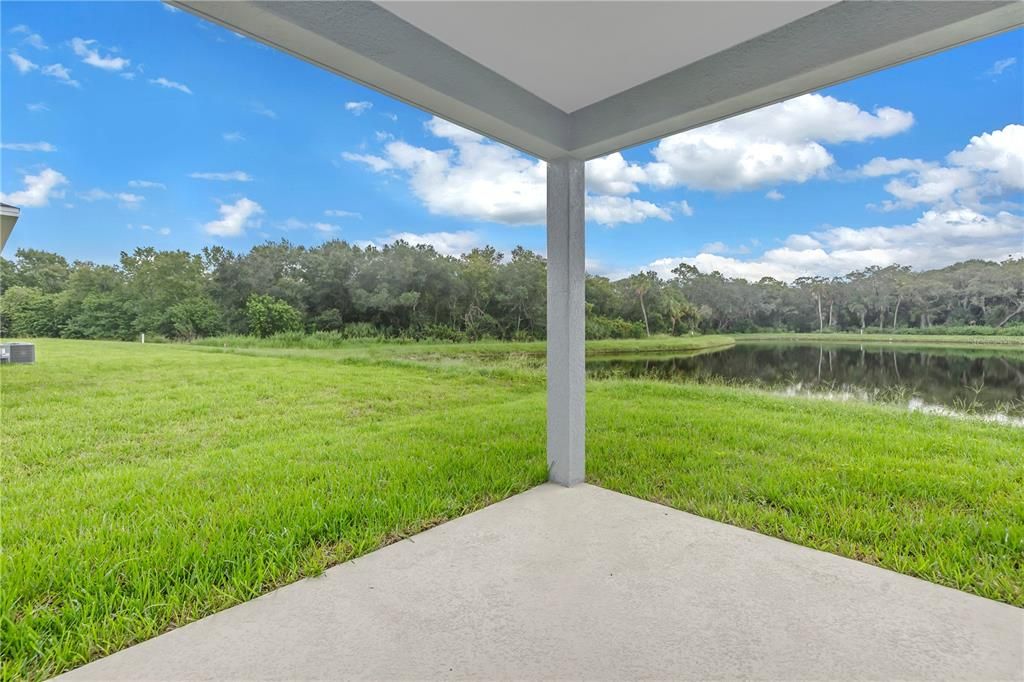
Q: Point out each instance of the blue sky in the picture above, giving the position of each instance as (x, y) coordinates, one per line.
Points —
(128, 124)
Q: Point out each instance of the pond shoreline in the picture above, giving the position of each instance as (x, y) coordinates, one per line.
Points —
(1012, 343)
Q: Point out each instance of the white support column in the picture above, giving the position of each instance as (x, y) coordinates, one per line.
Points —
(566, 328)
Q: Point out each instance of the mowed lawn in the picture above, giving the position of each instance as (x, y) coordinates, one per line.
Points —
(147, 486)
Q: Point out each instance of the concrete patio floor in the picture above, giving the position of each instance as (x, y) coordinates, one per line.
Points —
(573, 583)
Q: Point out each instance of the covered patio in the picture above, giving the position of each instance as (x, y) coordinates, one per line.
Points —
(585, 583)
(569, 580)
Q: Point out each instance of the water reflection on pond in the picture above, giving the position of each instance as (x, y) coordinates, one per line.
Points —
(929, 379)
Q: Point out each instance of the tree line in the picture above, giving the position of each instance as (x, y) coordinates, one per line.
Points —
(402, 290)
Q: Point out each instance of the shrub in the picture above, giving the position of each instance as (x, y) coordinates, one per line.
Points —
(267, 316)
(28, 312)
(599, 327)
(194, 318)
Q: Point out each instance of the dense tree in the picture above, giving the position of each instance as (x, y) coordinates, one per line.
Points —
(414, 292)
(267, 316)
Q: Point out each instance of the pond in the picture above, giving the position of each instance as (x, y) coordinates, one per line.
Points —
(939, 380)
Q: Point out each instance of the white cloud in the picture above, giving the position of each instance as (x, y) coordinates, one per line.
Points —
(802, 242)
(340, 213)
(376, 163)
(990, 165)
(1000, 66)
(20, 28)
(445, 243)
(146, 184)
(714, 247)
(936, 239)
(35, 40)
(956, 225)
(783, 142)
(234, 136)
(62, 74)
(388, 115)
(95, 194)
(614, 210)
(22, 64)
(881, 166)
(173, 85)
(383, 136)
(230, 176)
(774, 195)
(296, 224)
(234, 218)
(37, 107)
(129, 200)
(613, 175)
(126, 199)
(262, 110)
(999, 153)
(38, 189)
(358, 108)
(170, 8)
(682, 207)
(90, 55)
(28, 146)
(482, 180)
(931, 186)
(164, 231)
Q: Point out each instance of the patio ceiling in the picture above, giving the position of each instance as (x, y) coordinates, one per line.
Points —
(583, 79)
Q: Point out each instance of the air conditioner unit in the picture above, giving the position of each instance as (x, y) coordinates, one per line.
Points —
(17, 353)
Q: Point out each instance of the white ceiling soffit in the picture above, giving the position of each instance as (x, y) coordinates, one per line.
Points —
(626, 72)
(574, 53)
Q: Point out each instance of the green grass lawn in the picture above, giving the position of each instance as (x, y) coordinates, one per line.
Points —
(147, 486)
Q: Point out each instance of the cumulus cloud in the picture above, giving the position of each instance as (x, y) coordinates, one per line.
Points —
(22, 64)
(475, 179)
(28, 146)
(60, 73)
(234, 218)
(37, 190)
(234, 136)
(936, 239)
(682, 207)
(998, 154)
(90, 55)
(958, 221)
(341, 213)
(35, 40)
(36, 107)
(990, 165)
(783, 142)
(146, 184)
(481, 180)
(129, 200)
(774, 195)
(881, 166)
(613, 175)
(614, 210)
(173, 85)
(358, 108)
(229, 176)
(445, 243)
